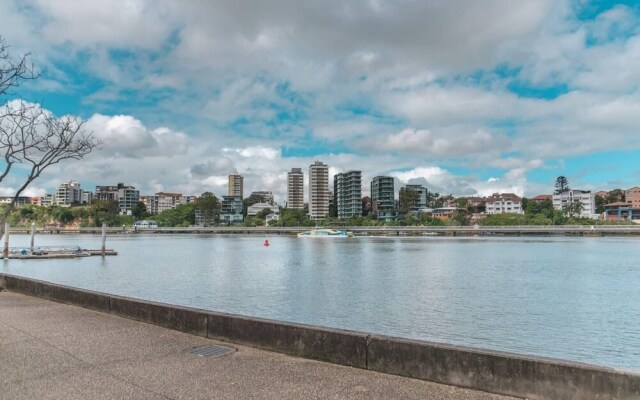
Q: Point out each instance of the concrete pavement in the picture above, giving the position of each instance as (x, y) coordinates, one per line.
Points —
(50, 350)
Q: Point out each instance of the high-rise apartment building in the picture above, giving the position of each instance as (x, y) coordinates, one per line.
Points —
(265, 195)
(69, 193)
(318, 190)
(383, 203)
(348, 194)
(126, 196)
(161, 201)
(232, 210)
(418, 200)
(295, 189)
(236, 183)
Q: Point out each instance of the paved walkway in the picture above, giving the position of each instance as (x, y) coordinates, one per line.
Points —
(55, 351)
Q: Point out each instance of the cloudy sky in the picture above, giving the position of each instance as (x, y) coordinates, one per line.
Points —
(470, 97)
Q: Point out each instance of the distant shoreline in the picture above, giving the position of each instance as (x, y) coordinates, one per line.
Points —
(527, 230)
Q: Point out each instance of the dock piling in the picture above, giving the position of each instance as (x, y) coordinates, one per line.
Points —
(33, 235)
(6, 240)
(104, 238)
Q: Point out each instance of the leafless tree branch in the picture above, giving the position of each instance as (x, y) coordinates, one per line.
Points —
(30, 137)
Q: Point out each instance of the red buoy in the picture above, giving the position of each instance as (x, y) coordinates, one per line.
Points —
(266, 243)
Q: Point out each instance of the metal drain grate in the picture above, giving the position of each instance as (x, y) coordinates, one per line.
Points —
(211, 351)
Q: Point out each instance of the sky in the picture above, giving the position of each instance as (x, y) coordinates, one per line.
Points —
(467, 97)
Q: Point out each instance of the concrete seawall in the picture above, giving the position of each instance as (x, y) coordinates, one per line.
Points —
(491, 371)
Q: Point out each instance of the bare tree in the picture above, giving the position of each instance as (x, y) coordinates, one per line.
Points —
(33, 139)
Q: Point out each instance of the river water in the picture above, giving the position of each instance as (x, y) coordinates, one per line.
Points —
(569, 298)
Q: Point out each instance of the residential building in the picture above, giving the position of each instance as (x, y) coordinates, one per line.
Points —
(87, 197)
(318, 190)
(145, 223)
(200, 220)
(161, 201)
(366, 205)
(445, 213)
(632, 196)
(541, 198)
(383, 203)
(295, 189)
(126, 196)
(419, 203)
(20, 201)
(236, 183)
(348, 194)
(266, 196)
(69, 193)
(188, 199)
(564, 200)
(254, 209)
(232, 210)
(503, 203)
(48, 200)
(602, 193)
(473, 201)
(619, 211)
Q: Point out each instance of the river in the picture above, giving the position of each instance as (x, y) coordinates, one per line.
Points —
(575, 298)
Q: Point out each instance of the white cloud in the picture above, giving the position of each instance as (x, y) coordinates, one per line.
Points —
(225, 85)
(115, 22)
(126, 136)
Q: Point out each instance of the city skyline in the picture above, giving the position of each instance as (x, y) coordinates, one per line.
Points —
(427, 92)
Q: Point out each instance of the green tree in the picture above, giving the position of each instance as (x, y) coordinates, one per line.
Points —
(407, 198)
(615, 195)
(561, 185)
(209, 207)
(182, 215)
(251, 200)
(575, 208)
(290, 217)
(600, 202)
(104, 211)
(139, 210)
(263, 213)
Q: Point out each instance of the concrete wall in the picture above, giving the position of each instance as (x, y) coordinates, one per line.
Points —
(496, 372)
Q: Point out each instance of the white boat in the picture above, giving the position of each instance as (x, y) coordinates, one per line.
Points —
(325, 233)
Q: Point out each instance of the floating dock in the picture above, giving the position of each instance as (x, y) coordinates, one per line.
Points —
(56, 252)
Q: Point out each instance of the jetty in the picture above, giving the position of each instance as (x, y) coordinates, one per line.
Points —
(33, 252)
(23, 253)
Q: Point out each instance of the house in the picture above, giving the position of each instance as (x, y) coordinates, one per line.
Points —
(254, 209)
(475, 201)
(602, 193)
(620, 211)
(445, 213)
(541, 198)
(145, 224)
(502, 203)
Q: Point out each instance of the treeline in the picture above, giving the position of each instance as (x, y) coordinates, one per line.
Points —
(208, 206)
(81, 215)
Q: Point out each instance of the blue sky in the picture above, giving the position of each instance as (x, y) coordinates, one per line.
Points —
(467, 97)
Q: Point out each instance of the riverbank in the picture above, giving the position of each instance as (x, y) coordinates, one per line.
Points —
(51, 350)
(476, 230)
(497, 372)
